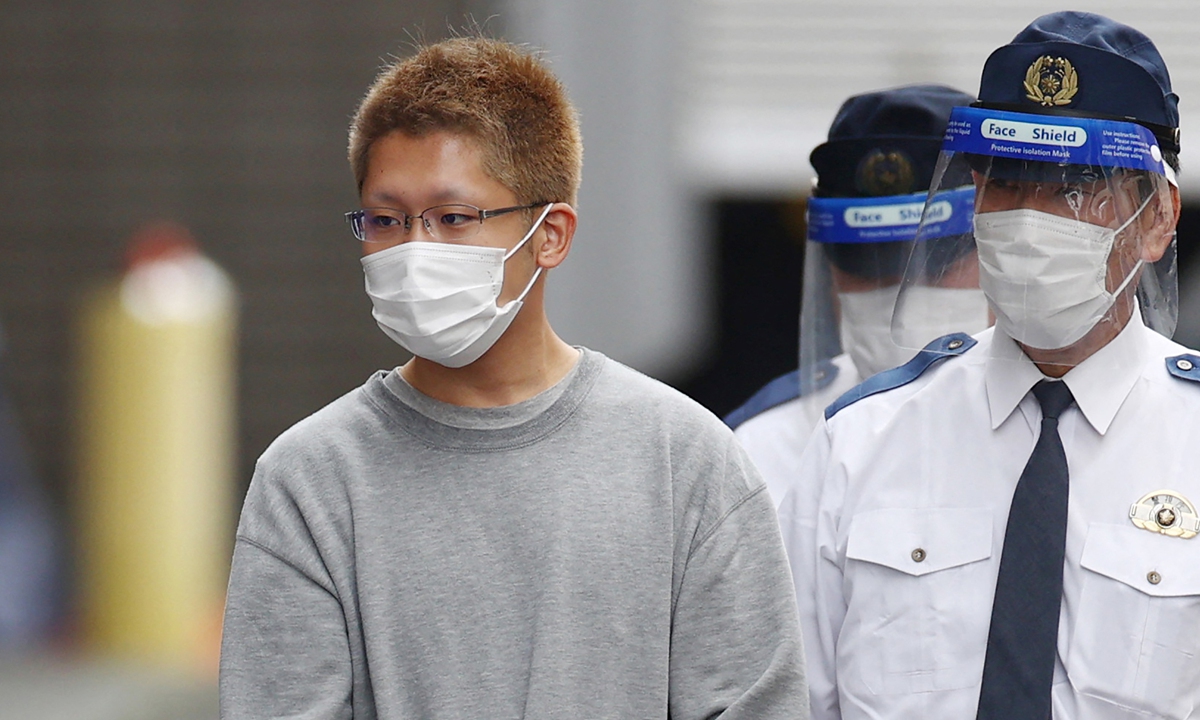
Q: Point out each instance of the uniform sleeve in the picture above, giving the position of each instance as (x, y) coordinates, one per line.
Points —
(284, 651)
(735, 641)
(815, 572)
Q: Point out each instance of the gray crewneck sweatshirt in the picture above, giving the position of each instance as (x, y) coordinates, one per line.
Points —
(602, 550)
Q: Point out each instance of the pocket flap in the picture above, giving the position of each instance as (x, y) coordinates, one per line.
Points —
(919, 542)
(1155, 564)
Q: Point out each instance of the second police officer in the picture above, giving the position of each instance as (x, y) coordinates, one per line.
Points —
(873, 174)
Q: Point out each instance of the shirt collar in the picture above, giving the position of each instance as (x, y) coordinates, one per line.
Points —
(1100, 383)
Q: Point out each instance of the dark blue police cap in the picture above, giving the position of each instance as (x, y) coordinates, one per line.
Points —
(885, 142)
(1083, 64)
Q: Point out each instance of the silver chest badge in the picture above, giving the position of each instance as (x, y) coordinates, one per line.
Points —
(1166, 512)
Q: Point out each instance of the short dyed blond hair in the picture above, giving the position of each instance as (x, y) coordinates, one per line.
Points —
(491, 91)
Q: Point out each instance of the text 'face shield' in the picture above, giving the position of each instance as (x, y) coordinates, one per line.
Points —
(1071, 215)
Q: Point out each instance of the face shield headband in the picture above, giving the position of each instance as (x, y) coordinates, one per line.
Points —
(893, 218)
(1085, 178)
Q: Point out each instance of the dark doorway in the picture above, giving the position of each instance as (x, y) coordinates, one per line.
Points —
(760, 265)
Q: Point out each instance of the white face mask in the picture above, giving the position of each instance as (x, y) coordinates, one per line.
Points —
(1044, 275)
(438, 301)
(866, 325)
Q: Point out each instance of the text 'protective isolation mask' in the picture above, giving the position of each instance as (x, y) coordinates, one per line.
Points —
(1045, 275)
(438, 300)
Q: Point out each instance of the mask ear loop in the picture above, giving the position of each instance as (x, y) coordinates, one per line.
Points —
(529, 234)
(1138, 265)
(510, 253)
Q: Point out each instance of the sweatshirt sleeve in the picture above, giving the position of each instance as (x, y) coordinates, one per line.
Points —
(285, 650)
(735, 641)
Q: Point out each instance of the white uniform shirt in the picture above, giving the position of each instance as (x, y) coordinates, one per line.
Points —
(895, 633)
(775, 438)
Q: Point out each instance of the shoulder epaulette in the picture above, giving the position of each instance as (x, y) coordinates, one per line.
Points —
(940, 349)
(1184, 367)
(784, 388)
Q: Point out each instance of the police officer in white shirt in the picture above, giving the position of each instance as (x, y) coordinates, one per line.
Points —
(1005, 526)
(873, 174)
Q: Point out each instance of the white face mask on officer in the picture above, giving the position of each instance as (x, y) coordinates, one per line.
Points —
(1045, 275)
(438, 300)
(866, 322)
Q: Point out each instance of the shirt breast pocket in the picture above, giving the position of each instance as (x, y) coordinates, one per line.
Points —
(1136, 641)
(921, 594)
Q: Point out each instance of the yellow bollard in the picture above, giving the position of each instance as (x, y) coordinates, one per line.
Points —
(156, 432)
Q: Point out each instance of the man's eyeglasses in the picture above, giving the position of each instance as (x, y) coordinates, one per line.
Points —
(448, 223)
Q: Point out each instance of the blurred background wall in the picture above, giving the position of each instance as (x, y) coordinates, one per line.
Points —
(230, 118)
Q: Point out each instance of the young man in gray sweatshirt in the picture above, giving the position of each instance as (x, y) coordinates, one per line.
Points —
(506, 526)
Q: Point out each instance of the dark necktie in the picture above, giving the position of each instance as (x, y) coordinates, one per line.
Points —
(1019, 666)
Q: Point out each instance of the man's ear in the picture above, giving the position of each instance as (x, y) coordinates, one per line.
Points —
(558, 229)
(1162, 229)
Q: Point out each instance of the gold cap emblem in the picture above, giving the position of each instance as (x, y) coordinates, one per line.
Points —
(1051, 81)
(885, 173)
(1166, 512)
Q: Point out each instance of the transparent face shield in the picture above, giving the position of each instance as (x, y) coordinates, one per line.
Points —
(855, 259)
(1073, 230)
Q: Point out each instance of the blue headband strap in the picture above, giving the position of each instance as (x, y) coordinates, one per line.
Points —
(1053, 139)
(890, 219)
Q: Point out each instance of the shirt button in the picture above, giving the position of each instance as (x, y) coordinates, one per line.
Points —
(956, 344)
(1153, 577)
(918, 555)
(1184, 365)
